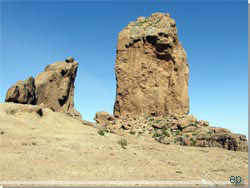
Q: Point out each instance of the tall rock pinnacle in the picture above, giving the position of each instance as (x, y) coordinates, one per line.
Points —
(151, 69)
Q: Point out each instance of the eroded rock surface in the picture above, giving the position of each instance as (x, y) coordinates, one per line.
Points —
(103, 117)
(151, 69)
(53, 88)
(22, 92)
(187, 131)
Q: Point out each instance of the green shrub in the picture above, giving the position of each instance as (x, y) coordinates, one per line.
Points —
(123, 142)
(151, 119)
(177, 132)
(193, 142)
(165, 133)
(179, 172)
(164, 129)
(132, 132)
(101, 132)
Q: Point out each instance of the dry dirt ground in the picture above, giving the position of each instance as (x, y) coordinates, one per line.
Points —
(56, 147)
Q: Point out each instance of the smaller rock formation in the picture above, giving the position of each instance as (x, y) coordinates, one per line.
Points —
(22, 92)
(53, 88)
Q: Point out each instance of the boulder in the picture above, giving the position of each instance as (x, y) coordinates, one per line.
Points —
(188, 120)
(55, 87)
(230, 141)
(69, 60)
(164, 140)
(151, 69)
(203, 123)
(103, 117)
(190, 129)
(23, 92)
(126, 126)
(218, 130)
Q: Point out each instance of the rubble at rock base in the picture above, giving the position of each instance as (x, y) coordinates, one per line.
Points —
(187, 131)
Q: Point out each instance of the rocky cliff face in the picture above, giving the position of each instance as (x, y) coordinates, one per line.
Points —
(151, 69)
(53, 88)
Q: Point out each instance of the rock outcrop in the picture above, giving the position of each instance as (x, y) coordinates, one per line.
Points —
(151, 69)
(53, 88)
(22, 92)
(187, 131)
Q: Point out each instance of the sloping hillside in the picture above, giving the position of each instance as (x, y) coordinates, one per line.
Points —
(40, 145)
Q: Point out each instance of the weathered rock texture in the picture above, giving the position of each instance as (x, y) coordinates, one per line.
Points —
(103, 117)
(186, 131)
(151, 69)
(53, 88)
(22, 92)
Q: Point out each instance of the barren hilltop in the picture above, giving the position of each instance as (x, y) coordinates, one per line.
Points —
(151, 136)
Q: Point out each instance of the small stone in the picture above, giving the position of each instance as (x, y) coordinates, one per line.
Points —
(190, 129)
(140, 19)
(203, 123)
(69, 60)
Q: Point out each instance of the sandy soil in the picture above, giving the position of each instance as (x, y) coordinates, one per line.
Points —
(56, 147)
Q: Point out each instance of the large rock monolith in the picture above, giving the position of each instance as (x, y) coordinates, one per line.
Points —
(151, 69)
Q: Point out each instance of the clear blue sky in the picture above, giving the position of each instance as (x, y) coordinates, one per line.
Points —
(214, 35)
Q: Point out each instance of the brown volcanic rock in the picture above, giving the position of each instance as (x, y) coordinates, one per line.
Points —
(151, 69)
(22, 92)
(55, 87)
(103, 117)
(186, 131)
(230, 141)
